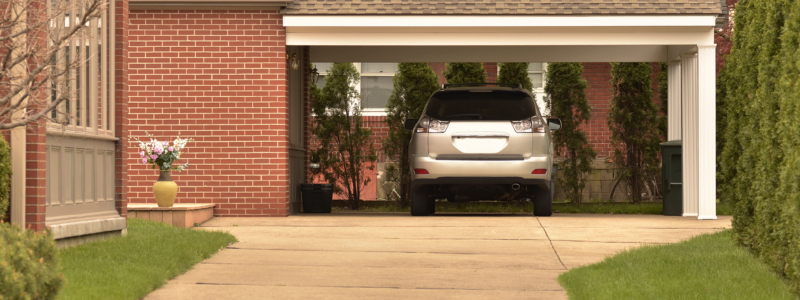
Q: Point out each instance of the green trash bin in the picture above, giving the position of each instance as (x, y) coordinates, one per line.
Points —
(672, 174)
(317, 198)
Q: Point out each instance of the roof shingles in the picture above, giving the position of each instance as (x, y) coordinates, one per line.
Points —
(502, 7)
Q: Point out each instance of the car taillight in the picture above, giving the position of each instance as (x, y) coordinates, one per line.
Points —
(427, 124)
(534, 124)
(539, 172)
(421, 172)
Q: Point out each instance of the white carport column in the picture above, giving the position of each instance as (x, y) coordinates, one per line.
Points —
(674, 103)
(707, 129)
(689, 124)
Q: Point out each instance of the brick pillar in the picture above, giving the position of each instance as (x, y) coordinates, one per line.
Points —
(121, 26)
(35, 173)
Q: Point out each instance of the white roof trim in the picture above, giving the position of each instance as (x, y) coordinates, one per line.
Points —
(498, 21)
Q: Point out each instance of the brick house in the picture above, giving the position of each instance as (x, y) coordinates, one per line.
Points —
(221, 73)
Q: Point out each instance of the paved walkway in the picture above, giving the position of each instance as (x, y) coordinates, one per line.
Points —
(396, 256)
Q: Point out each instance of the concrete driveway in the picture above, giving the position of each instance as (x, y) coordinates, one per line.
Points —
(396, 256)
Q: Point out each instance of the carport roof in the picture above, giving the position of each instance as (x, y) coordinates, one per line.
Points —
(502, 7)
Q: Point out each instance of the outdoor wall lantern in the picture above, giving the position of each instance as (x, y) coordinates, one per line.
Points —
(314, 74)
(292, 58)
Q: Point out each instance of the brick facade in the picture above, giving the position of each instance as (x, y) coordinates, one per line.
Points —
(218, 77)
(598, 93)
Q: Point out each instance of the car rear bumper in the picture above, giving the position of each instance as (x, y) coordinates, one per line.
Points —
(482, 171)
(540, 183)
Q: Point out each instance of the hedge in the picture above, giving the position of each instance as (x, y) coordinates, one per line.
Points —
(759, 164)
(5, 178)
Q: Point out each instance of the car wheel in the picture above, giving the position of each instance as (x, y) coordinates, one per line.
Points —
(420, 205)
(542, 203)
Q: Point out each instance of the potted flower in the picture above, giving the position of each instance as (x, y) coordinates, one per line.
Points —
(163, 155)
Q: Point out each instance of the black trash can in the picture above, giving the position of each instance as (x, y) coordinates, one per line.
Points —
(672, 174)
(317, 197)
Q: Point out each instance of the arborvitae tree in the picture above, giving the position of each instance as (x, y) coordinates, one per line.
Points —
(567, 89)
(413, 85)
(663, 97)
(515, 73)
(464, 73)
(344, 151)
(759, 168)
(633, 121)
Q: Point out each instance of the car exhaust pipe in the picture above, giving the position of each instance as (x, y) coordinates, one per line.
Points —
(515, 186)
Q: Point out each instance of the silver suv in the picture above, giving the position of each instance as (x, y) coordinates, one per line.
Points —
(481, 142)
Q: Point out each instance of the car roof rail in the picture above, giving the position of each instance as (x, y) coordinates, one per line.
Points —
(511, 85)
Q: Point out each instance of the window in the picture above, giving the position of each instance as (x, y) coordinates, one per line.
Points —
(322, 69)
(375, 85)
(82, 69)
(536, 74)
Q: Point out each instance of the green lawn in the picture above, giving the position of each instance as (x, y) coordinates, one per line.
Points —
(130, 267)
(709, 266)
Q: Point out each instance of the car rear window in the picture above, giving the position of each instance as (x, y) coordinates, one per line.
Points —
(481, 105)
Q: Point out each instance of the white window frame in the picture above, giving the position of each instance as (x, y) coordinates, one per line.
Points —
(366, 112)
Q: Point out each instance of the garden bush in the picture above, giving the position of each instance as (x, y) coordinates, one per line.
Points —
(759, 165)
(567, 90)
(5, 178)
(345, 152)
(29, 266)
(464, 73)
(414, 83)
(515, 73)
(634, 125)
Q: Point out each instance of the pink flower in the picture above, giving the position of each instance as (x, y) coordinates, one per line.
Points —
(166, 143)
(144, 160)
(159, 150)
(170, 149)
(141, 154)
(153, 157)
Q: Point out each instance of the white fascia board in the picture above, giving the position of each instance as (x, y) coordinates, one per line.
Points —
(499, 21)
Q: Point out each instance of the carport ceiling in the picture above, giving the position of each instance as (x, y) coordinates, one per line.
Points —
(500, 31)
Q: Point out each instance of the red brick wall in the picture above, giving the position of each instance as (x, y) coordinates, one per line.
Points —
(218, 77)
(491, 71)
(598, 93)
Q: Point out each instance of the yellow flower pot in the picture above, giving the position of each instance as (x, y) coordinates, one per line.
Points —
(165, 190)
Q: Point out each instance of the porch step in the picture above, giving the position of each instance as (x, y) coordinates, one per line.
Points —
(184, 215)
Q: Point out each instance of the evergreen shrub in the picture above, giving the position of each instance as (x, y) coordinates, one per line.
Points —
(759, 165)
(515, 73)
(5, 178)
(633, 122)
(345, 152)
(464, 73)
(567, 90)
(414, 83)
(29, 265)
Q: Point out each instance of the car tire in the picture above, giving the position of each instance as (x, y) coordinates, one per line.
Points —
(420, 205)
(542, 203)
(431, 206)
